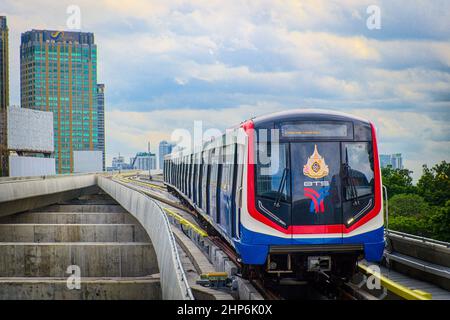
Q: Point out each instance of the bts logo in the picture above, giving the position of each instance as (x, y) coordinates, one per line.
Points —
(317, 198)
(316, 183)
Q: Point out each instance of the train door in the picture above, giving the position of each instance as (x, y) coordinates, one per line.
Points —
(316, 191)
(186, 175)
(190, 176)
(238, 189)
(199, 182)
(226, 195)
(205, 181)
(194, 179)
(213, 183)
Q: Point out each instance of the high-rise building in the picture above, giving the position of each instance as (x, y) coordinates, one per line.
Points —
(4, 95)
(385, 160)
(101, 119)
(391, 160)
(396, 161)
(58, 73)
(164, 148)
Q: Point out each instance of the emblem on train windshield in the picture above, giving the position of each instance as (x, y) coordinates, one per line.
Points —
(315, 167)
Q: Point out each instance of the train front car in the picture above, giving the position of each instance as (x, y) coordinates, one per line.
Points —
(312, 196)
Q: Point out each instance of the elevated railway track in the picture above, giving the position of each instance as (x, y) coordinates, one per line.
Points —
(410, 256)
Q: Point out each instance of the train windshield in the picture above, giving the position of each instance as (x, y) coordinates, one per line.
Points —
(316, 182)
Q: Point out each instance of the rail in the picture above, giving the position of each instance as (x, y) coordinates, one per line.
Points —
(186, 223)
(395, 287)
(390, 285)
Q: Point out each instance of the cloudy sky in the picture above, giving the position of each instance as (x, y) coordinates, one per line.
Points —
(168, 63)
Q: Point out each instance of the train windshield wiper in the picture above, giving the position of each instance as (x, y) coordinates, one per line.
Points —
(280, 188)
(349, 181)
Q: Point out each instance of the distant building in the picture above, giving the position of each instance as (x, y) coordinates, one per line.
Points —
(4, 95)
(385, 160)
(118, 163)
(144, 161)
(394, 161)
(164, 148)
(101, 120)
(58, 73)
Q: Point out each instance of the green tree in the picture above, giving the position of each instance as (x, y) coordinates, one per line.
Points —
(397, 181)
(409, 224)
(439, 222)
(410, 205)
(434, 184)
(423, 210)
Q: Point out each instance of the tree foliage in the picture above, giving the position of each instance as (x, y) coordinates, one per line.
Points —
(408, 205)
(424, 209)
(397, 181)
(434, 184)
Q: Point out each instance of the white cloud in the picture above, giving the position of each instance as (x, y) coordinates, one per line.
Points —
(242, 59)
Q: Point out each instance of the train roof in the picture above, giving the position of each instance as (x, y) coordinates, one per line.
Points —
(306, 114)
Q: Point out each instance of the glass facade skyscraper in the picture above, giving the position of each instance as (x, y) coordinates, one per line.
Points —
(164, 148)
(394, 161)
(58, 73)
(4, 95)
(101, 119)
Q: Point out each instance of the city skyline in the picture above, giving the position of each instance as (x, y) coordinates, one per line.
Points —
(242, 61)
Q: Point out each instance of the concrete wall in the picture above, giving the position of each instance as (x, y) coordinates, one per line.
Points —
(174, 283)
(87, 161)
(21, 194)
(31, 166)
(30, 129)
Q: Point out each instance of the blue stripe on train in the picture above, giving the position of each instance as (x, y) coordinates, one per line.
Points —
(253, 247)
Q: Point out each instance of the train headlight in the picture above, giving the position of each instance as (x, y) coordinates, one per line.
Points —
(272, 265)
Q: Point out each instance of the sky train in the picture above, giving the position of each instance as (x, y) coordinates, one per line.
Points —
(292, 192)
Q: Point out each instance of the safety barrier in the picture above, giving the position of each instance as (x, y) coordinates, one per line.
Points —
(21, 194)
(174, 283)
(422, 258)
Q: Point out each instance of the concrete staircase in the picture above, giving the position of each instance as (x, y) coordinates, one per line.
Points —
(113, 252)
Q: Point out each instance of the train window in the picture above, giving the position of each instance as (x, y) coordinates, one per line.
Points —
(272, 174)
(358, 176)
